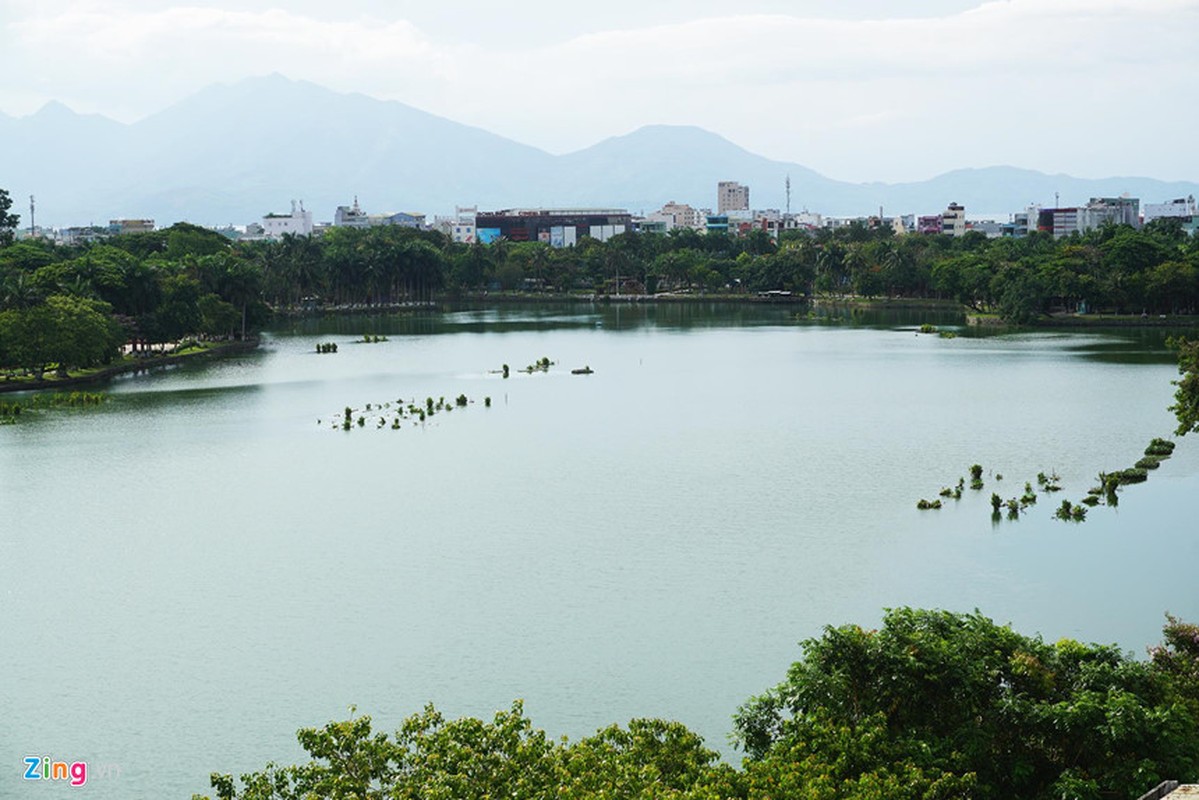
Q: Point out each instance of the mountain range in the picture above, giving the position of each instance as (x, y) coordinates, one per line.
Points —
(233, 152)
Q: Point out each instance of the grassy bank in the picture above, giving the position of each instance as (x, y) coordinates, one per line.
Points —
(193, 351)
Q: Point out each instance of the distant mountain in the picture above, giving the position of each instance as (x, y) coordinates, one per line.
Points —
(231, 153)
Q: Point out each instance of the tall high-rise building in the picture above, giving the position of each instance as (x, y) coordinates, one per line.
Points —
(731, 196)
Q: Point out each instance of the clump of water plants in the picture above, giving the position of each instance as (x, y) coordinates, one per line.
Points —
(1068, 512)
(542, 364)
(487, 402)
(371, 339)
(928, 505)
(1133, 475)
(326, 347)
(1148, 462)
(947, 334)
(1013, 508)
(976, 476)
(393, 415)
(1162, 448)
(928, 328)
(1049, 483)
(996, 502)
(1029, 497)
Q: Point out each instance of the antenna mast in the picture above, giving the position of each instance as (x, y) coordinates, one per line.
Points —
(32, 225)
(788, 185)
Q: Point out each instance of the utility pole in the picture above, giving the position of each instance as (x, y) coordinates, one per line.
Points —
(32, 225)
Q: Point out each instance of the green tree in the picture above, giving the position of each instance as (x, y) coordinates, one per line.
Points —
(1186, 396)
(958, 697)
(26, 338)
(8, 222)
(65, 330)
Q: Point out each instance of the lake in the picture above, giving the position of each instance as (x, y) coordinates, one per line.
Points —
(204, 564)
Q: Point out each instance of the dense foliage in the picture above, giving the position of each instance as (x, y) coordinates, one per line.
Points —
(932, 705)
(76, 306)
(8, 222)
(1116, 269)
(1186, 397)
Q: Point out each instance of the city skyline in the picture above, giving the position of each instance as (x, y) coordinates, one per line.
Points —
(858, 92)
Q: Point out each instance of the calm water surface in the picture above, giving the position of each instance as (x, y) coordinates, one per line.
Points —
(197, 569)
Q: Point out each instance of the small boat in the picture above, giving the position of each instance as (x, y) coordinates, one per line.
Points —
(583, 371)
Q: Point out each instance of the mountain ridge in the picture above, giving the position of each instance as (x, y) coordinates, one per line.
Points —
(234, 151)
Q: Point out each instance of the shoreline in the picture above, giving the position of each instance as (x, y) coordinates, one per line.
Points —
(145, 365)
(970, 316)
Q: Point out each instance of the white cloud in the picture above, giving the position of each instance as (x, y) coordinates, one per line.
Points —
(1028, 82)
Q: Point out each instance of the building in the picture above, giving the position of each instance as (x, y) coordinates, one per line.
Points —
(1061, 221)
(650, 225)
(717, 224)
(953, 220)
(350, 216)
(992, 229)
(679, 215)
(1180, 207)
(557, 227)
(804, 220)
(354, 217)
(1021, 224)
(930, 224)
(297, 223)
(1102, 211)
(117, 227)
(463, 228)
(1099, 211)
(399, 219)
(82, 235)
(731, 196)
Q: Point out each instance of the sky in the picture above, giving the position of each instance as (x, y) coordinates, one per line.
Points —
(859, 90)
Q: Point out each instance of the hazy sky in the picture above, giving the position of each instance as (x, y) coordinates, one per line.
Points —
(857, 89)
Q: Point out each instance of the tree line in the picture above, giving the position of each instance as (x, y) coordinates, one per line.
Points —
(73, 306)
(931, 706)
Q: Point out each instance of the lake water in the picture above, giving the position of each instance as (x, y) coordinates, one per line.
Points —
(193, 571)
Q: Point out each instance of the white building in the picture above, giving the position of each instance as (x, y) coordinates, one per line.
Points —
(463, 228)
(1180, 207)
(297, 223)
(803, 219)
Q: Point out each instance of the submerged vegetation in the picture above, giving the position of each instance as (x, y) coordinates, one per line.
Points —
(12, 409)
(930, 706)
(1104, 493)
(394, 414)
